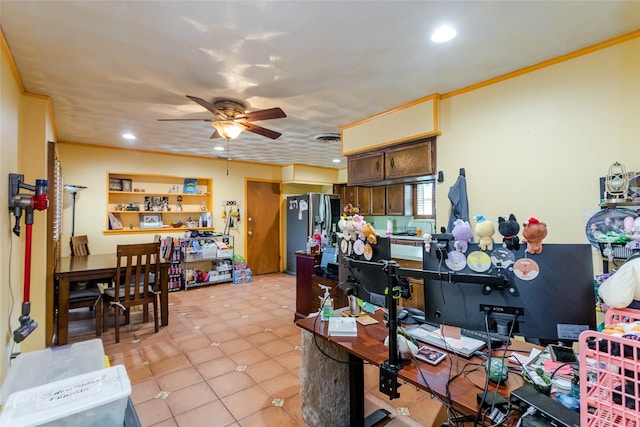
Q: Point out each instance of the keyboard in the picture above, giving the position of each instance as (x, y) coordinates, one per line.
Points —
(467, 345)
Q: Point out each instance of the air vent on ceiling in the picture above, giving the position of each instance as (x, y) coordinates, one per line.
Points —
(328, 137)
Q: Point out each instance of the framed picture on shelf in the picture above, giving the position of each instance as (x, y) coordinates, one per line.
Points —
(126, 185)
(150, 220)
(189, 186)
(115, 184)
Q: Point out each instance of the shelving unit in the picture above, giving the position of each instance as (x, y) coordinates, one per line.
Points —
(153, 202)
(207, 260)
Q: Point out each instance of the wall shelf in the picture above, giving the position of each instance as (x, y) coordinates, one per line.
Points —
(169, 197)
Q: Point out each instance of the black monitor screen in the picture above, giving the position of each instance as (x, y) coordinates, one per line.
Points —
(552, 292)
(364, 277)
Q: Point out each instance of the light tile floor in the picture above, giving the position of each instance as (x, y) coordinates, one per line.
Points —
(230, 356)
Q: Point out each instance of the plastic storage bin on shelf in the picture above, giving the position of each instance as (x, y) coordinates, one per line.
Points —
(610, 375)
(98, 398)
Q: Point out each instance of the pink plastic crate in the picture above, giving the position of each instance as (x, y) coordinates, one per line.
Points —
(610, 374)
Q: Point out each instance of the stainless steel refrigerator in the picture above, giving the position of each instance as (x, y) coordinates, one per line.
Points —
(307, 214)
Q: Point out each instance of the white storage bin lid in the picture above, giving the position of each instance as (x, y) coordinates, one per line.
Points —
(40, 367)
(63, 398)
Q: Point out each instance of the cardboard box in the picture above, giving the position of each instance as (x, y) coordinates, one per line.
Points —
(95, 398)
(242, 273)
(244, 279)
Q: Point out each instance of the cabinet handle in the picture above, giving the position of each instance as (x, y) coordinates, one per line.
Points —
(250, 233)
(377, 165)
(392, 162)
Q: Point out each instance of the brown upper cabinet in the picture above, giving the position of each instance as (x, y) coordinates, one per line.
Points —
(364, 168)
(378, 201)
(409, 160)
(400, 163)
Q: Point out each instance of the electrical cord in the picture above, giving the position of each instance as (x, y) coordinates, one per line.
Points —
(488, 362)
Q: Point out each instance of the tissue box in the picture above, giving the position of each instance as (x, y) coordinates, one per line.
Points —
(96, 398)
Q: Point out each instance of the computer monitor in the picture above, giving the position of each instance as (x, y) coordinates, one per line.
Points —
(553, 301)
(365, 278)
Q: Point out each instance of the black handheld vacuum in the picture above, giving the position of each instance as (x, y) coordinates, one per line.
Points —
(18, 203)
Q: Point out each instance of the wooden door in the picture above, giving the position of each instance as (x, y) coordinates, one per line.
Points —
(263, 227)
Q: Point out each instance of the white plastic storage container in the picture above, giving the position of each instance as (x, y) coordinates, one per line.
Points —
(40, 367)
(98, 398)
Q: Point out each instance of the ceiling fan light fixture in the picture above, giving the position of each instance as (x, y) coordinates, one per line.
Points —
(228, 129)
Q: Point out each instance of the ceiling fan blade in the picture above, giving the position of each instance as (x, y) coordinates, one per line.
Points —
(215, 134)
(268, 114)
(205, 104)
(186, 120)
(262, 131)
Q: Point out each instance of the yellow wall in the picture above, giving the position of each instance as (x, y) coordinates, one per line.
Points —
(88, 166)
(25, 127)
(536, 145)
(11, 248)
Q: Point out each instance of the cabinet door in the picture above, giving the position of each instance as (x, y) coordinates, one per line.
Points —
(378, 201)
(364, 200)
(410, 160)
(365, 168)
(395, 199)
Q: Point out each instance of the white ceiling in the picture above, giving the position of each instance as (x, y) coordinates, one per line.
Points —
(116, 66)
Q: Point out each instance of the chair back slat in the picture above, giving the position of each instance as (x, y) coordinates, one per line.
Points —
(79, 245)
(138, 273)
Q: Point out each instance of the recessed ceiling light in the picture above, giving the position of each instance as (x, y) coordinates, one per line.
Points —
(128, 136)
(218, 148)
(336, 160)
(443, 34)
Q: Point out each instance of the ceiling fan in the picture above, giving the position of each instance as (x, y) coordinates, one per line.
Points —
(231, 118)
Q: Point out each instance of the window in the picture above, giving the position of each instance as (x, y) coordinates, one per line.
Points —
(424, 198)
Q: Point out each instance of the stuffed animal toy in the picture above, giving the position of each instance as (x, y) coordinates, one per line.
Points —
(370, 233)
(631, 227)
(534, 232)
(348, 228)
(622, 289)
(462, 234)
(509, 228)
(359, 223)
(484, 231)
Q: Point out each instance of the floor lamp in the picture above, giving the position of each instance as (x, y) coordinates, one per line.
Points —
(73, 190)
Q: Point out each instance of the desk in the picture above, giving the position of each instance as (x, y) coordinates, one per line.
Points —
(102, 266)
(369, 346)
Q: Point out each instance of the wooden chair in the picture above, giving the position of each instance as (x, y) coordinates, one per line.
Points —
(137, 283)
(79, 245)
(82, 294)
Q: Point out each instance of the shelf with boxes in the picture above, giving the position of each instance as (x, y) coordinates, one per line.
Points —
(145, 203)
(207, 260)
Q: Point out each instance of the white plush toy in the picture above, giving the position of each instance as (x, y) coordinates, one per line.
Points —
(622, 290)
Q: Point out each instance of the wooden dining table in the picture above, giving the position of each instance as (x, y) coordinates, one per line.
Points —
(91, 267)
